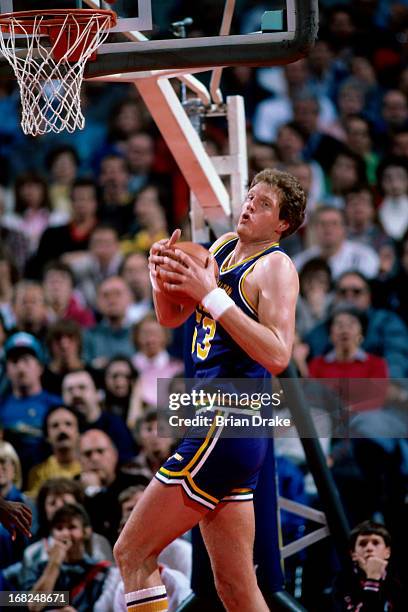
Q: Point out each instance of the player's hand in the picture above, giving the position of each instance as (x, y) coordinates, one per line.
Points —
(179, 272)
(165, 243)
(156, 250)
(15, 516)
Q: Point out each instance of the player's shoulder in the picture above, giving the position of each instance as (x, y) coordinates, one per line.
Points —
(222, 240)
(277, 266)
(278, 260)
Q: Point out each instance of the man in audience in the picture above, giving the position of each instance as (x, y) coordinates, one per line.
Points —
(140, 157)
(30, 310)
(117, 198)
(331, 244)
(79, 393)
(102, 261)
(386, 334)
(103, 481)
(112, 335)
(61, 431)
(22, 412)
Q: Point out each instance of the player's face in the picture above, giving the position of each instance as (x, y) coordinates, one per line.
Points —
(259, 217)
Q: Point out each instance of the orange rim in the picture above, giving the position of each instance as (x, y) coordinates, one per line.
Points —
(53, 18)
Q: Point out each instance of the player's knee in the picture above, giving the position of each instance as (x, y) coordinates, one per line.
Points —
(126, 553)
(232, 589)
(131, 557)
(120, 552)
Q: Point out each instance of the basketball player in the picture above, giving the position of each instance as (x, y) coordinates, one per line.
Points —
(244, 329)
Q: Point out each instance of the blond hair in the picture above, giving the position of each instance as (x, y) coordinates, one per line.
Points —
(7, 451)
(292, 201)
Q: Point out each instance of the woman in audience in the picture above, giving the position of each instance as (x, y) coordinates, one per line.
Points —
(315, 296)
(63, 163)
(393, 209)
(10, 485)
(32, 207)
(119, 380)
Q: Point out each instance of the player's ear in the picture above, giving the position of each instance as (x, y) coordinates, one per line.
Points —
(283, 226)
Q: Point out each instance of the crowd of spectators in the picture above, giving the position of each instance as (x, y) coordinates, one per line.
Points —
(81, 349)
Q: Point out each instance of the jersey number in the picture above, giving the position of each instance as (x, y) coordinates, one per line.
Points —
(209, 326)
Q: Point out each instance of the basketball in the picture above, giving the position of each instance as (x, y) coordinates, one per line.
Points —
(200, 256)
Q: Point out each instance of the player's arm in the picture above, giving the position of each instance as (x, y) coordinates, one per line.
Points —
(275, 280)
(269, 340)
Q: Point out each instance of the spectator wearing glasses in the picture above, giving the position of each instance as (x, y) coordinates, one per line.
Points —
(332, 245)
(386, 334)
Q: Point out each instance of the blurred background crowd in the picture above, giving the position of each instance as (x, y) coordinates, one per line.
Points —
(81, 350)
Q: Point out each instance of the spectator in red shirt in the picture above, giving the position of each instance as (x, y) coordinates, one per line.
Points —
(347, 359)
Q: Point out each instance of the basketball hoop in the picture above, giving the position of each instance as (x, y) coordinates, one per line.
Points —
(49, 67)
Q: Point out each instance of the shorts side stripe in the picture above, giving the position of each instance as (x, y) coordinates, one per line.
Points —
(171, 477)
(196, 456)
(208, 451)
(184, 483)
(202, 447)
(239, 498)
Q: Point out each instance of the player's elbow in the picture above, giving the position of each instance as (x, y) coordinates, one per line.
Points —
(171, 323)
(279, 363)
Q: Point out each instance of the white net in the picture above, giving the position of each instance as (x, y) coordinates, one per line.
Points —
(50, 83)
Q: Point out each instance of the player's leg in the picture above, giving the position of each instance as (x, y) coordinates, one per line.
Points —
(228, 534)
(164, 513)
